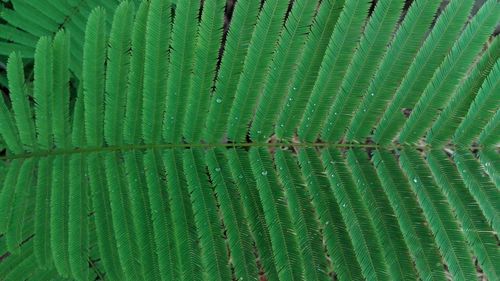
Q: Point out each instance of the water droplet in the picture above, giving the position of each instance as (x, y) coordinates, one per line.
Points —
(259, 132)
(372, 94)
(326, 223)
(335, 113)
(343, 205)
(282, 125)
(264, 173)
(217, 169)
(294, 88)
(218, 100)
(415, 180)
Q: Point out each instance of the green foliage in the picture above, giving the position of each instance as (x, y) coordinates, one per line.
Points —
(296, 140)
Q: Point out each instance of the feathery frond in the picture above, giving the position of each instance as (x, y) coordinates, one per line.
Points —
(334, 66)
(184, 143)
(377, 33)
(257, 62)
(437, 44)
(445, 79)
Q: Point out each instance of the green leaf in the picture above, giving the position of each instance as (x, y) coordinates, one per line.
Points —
(183, 144)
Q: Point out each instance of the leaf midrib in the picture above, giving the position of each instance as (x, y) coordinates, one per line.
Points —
(134, 147)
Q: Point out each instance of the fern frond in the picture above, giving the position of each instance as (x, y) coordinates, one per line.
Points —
(8, 130)
(260, 53)
(437, 44)
(20, 103)
(183, 41)
(288, 51)
(376, 35)
(481, 188)
(238, 234)
(335, 63)
(78, 218)
(411, 220)
(448, 121)
(79, 223)
(29, 20)
(239, 164)
(117, 69)
(388, 232)
(444, 226)
(303, 217)
(193, 185)
(302, 82)
(476, 229)
(106, 240)
(42, 92)
(203, 74)
(141, 215)
(337, 240)
(284, 243)
(186, 234)
(22, 194)
(121, 217)
(160, 208)
(232, 64)
(155, 69)
(214, 255)
(134, 95)
(41, 243)
(481, 110)
(396, 61)
(59, 218)
(94, 77)
(355, 215)
(61, 92)
(447, 76)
